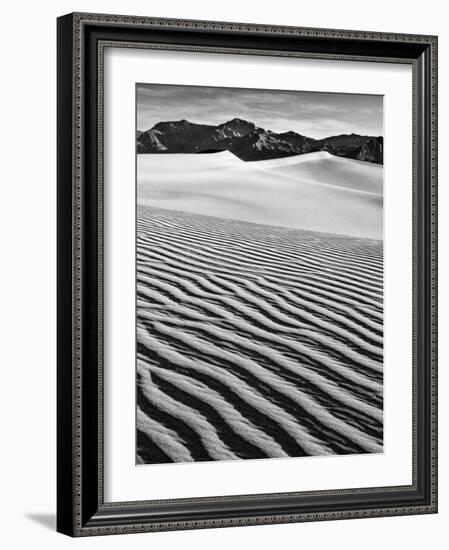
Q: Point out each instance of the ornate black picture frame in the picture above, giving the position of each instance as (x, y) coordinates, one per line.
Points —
(81, 509)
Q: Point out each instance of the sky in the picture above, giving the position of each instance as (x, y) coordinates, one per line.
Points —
(312, 114)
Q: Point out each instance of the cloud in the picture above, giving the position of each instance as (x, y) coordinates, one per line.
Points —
(316, 114)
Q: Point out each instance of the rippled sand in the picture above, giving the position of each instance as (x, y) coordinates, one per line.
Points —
(255, 340)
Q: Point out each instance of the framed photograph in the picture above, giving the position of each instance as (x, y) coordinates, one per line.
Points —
(247, 279)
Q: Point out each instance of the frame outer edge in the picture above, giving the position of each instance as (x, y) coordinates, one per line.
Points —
(65, 272)
(434, 272)
(77, 262)
(229, 26)
(75, 527)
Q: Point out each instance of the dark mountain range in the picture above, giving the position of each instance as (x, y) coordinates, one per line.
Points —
(250, 143)
(367, 148)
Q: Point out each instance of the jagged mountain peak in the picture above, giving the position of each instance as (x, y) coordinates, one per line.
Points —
(238, 124)
(173, 124)
(237, 120)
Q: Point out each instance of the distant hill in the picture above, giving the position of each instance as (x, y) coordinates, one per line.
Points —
(250, 143)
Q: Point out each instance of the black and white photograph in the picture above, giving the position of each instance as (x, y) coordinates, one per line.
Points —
(259, 273)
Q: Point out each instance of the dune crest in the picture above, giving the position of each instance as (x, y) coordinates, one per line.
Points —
(315, 191)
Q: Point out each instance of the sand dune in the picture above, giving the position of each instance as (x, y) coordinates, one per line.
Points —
(316, 191)
(255, 341)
